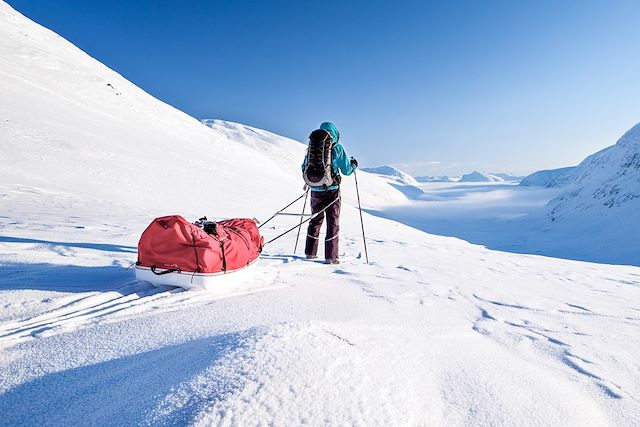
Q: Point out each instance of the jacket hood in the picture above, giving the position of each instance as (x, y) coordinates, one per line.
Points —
(332, 129)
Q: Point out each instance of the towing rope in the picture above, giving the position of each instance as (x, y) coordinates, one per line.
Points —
(276, 214)
(306, 220)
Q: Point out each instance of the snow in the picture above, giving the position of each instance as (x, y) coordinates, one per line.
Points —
(508, 177)
(472, 177)
(442, 178)
(476, 176)
(390, 171)
(434, 331)
(600, 202)
(549, 178)
(605, 184)
(397, 179)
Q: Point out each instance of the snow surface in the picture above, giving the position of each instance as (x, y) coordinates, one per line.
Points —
(435, 331)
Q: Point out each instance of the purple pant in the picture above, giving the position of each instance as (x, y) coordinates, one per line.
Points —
(319, 201)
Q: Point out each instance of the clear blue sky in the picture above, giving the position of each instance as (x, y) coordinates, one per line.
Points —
(438, 88)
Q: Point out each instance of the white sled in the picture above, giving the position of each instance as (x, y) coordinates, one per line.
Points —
(223, 281)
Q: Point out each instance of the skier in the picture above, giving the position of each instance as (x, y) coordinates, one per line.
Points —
(323, 163)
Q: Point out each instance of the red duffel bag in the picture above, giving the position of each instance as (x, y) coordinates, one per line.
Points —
(173, 245)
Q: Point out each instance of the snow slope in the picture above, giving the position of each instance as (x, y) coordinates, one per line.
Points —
(397, 179)
(602, 200)
(390, 171)
(606, 183)
(549, 178)
(434, 331)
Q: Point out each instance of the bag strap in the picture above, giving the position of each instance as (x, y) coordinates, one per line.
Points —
(171, 270)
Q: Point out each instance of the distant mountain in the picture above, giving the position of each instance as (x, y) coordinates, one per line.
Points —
(549, 178)
(605, 183)
(508, 177)
(472, 177)
(601, 202)
(480, 177)
(443, 178)
(398, 179)
(390, 171)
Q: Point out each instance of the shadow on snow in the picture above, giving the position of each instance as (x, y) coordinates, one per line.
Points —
(126, 391)
(63, 278)
(96, 246)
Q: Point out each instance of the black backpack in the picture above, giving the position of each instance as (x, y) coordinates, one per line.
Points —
(319, 171)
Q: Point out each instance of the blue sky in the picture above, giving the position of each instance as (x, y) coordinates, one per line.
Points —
(435, 88)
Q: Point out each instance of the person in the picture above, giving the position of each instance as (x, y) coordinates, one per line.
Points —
(328, 197)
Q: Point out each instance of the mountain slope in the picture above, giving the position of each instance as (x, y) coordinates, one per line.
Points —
(397, 179)
(390, 171)
(68, 118)
(606, 183)
(601, 202)
(549, 178)
(433, 331)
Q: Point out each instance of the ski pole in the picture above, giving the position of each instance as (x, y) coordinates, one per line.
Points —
(301, 218)
(364, 239)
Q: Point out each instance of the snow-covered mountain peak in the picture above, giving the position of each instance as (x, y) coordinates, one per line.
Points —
(476, 176)
(631, 139)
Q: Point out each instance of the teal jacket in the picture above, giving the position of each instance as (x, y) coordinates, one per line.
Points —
(340, 161)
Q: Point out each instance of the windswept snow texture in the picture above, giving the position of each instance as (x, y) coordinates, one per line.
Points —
(435, 331)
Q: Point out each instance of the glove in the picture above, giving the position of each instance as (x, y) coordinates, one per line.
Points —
(354, 162)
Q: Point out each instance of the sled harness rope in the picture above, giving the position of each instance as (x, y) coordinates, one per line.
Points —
(280, 212)
(312, 216)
